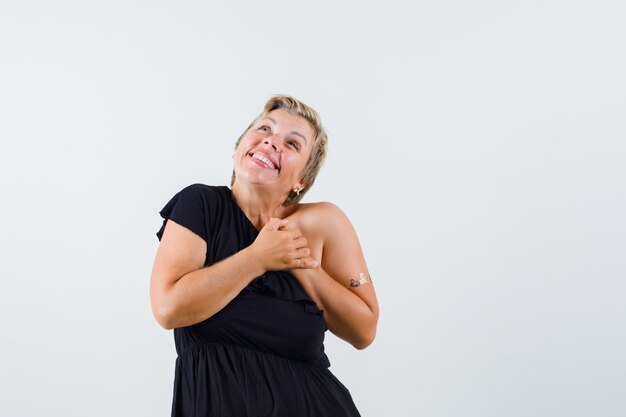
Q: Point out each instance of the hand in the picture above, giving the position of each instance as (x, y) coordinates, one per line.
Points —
(278, 247)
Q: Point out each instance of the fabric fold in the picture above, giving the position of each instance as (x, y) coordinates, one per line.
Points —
(283, 285)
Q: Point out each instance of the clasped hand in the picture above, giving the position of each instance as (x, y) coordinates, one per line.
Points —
(279, 246)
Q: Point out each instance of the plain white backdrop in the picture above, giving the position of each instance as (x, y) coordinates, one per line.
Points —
(478, 147)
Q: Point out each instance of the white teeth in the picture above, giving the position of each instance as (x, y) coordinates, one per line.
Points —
(263, 159)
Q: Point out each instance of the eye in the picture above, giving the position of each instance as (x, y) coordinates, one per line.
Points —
(265, 129)
(294, 144)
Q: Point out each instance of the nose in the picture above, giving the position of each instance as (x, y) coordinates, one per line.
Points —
(270, 140)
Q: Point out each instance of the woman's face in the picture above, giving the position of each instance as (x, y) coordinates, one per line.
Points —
(274, 151)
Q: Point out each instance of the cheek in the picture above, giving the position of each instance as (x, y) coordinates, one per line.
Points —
(245, 144)
(240, 152)
(298, 164)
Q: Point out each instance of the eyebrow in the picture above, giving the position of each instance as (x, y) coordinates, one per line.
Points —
(293, 132)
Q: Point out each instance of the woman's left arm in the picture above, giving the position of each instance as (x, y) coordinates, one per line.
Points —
(351, 313)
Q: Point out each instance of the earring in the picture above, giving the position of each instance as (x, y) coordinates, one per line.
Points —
(297, 191)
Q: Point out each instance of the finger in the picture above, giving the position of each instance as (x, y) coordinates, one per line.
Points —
(290, 225)
(302, 253)
(274, 223)
(291, 233)
(300, 242)
(305, 263)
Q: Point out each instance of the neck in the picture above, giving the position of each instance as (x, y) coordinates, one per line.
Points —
(259, 204)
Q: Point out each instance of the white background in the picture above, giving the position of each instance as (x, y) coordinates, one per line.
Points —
(478, 147)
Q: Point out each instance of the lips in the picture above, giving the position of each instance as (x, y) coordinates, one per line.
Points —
(265, 158)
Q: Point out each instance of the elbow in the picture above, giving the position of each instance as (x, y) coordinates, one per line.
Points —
(361, 346)
(364, 341)
(164, 321)
(167, 309)
(366, 336)
(164, 315)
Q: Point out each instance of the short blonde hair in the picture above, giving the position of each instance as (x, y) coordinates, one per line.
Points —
(320, 140)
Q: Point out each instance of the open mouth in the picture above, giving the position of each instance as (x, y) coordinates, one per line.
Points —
(264, 159)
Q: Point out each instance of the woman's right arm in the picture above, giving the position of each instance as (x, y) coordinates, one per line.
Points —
(183, 293)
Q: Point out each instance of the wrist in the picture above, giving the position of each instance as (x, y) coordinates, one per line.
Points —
(252, 261)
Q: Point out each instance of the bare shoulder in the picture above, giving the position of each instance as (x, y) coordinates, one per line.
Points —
(333, 240)
(323, 217)
(325, 224)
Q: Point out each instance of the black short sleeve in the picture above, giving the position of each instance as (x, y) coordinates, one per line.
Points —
(187, 208)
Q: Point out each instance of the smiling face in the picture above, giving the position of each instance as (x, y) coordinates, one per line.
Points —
(274, 151)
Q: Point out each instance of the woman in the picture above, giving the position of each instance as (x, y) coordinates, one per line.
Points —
(250, 279)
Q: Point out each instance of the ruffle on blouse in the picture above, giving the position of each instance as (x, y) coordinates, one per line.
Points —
(283, 285)
(187, 208)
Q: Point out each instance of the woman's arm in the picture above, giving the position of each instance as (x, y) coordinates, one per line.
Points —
(183, 293)
(350, 313)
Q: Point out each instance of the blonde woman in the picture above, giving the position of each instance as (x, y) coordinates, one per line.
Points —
(250, 279)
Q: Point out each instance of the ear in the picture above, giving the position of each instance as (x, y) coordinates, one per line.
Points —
(299, 185)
